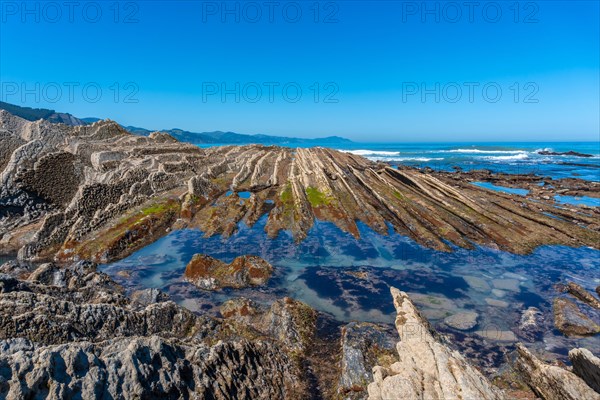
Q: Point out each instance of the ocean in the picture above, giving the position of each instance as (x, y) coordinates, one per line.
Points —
(516, 158)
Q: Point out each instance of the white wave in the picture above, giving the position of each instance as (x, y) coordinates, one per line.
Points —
(372, 152)
(544, 149)
(477, 151)
(421, 159)
(522, 156)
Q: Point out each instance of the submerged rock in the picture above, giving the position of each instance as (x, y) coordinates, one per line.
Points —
(583, 295)
(531, 325)
(569, 319)
(586, 366)
(210, 274)
(463, 321)
(427, 368)
(551, 382)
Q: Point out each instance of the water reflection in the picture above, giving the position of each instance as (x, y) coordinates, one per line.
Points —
(349, 279)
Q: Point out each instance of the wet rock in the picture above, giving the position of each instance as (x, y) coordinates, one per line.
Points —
(567, 153)
(463, 321)
(497, 335)
(569, 319)
(364, 345)
(210, 274)
(426, 368)
(551, 382)
(511, 285)
(531, 325)
(586, 366)
(581, 294)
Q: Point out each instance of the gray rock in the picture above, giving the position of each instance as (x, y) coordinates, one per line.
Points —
(551, 382)
(586, 366)
(364, 345)
(427, 368)
(146, 368)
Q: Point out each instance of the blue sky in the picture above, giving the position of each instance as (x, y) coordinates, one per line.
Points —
(369, 71)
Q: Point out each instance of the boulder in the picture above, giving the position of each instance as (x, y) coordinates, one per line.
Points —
(463, 321)
(211, 274)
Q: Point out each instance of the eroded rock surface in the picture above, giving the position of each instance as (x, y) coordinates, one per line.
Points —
(551, 382)
(69, 332)
(427, 368)
(117, 192)
(586, 366)
(364, 345)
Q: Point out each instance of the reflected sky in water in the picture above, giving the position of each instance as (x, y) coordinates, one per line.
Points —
(349, 279)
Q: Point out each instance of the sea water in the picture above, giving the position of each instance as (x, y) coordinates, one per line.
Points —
(349, 279)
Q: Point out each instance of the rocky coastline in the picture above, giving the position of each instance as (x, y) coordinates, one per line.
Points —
(72, 197)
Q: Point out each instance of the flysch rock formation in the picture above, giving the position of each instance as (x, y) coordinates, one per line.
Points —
(72, 333)
(427, 368)
(99, 193)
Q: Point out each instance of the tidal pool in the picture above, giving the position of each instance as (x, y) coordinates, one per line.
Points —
(349, 279)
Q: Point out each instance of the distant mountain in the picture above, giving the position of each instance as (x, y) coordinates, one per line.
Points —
(33, 114)
(217, 137)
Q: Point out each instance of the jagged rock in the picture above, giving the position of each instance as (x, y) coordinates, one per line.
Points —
(427, 368)
(586, 366)
(209, 273)
(117, 192)
(147, 368)
(239, 308)
(569, 319)
(199, 186)
(551, 382)
(581, 294)
(291, 322)
(364, 345)
(463, 321)
(149, 296)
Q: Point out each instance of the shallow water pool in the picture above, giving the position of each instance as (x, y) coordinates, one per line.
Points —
(350, 279)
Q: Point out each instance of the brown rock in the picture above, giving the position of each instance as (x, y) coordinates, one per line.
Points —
(571, 321)
(583, 295)
(210, 274)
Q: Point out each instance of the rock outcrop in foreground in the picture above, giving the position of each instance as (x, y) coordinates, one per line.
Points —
(210, 274)
(551, 382)
(71, 333)
(427, 369)
(99, 193)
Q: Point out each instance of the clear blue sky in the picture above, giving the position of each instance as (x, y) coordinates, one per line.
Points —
(376, 54)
